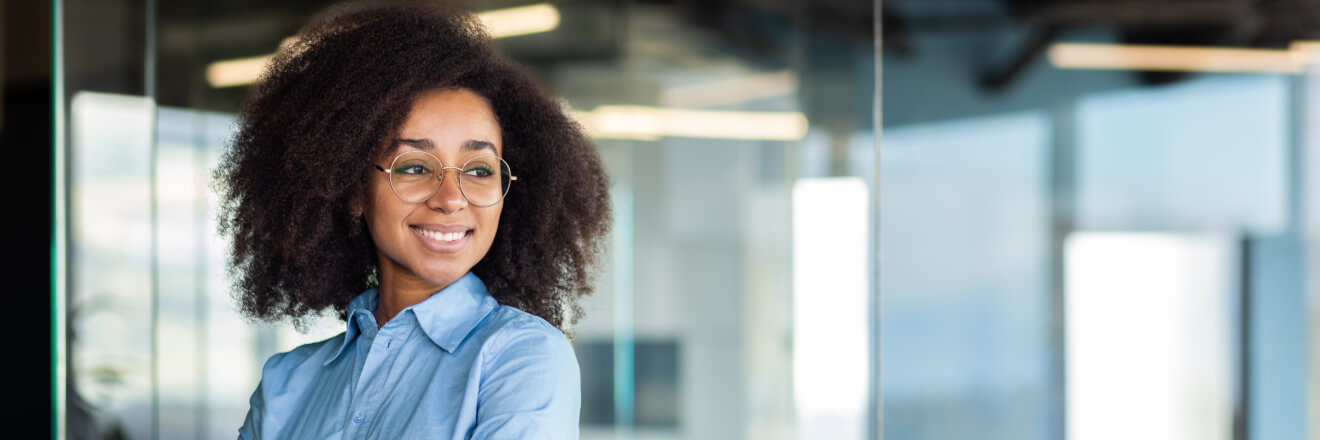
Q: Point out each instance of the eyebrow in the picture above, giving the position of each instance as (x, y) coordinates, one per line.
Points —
(426, 144)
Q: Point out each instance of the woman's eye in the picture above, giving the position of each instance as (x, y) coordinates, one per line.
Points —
(412, 169)
(478, 172)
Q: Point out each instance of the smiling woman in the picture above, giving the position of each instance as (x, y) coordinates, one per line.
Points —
(373, 174)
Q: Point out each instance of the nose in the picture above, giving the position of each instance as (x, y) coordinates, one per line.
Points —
(448, 197)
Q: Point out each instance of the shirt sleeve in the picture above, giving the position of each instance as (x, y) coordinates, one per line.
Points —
(531, 387)
(252, 425)
(271, 373)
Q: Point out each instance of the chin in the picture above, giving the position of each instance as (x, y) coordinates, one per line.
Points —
(441, 276)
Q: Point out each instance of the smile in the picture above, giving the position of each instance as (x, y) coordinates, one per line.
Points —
(442, 236)
(447, 240)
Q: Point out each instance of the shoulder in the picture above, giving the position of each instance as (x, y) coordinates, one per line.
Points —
(507, 324)
(512, 335)
(530, 386)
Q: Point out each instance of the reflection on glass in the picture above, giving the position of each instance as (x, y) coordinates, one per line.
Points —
(111, 372)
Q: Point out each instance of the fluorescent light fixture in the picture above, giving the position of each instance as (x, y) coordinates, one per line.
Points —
(241, 71)
(500, 23)
(235, 72)
(652, 123)
(1306, 52)
(1172, 58)
(522, 20)
(731, 91)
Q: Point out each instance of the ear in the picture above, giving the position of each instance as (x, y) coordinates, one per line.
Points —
(356, 207)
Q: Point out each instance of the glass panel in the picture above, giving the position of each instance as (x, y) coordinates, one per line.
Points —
(107, 127)
(964, 310)
(111, 375)
(1234, 127)
(1016, 130)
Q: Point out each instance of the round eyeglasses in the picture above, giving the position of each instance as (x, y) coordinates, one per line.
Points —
(415, 177)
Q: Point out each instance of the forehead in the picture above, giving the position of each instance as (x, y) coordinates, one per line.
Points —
(450, 120)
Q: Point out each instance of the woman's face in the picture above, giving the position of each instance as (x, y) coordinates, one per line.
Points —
(439, 240)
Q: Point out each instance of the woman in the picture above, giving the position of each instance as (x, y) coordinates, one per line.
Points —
(391, 150)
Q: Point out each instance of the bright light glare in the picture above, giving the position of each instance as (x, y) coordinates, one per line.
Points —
(1148, 336)
(235, 72)
(522, 20)
(830, 381)
(1305, 52)
(500, 23)
(1172, 58)
(651, 123)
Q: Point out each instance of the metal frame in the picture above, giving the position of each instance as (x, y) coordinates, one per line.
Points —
(458, 179)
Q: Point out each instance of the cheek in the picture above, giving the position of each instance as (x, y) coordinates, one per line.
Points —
(493, 219)
(383, 210)
(490, 223)
(380, 192)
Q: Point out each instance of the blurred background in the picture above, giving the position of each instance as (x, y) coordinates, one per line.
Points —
(1079, 219)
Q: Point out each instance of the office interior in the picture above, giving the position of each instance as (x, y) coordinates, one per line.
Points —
(834, 219)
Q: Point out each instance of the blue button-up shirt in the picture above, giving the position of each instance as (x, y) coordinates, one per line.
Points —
(454, 366)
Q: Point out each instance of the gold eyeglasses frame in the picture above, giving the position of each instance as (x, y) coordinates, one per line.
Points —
(440, 174)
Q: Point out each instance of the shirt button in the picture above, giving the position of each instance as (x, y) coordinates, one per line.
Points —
(359, 418)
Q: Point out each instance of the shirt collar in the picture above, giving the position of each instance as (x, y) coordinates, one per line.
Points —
(361, 311)
(451, 314)
(447, 316)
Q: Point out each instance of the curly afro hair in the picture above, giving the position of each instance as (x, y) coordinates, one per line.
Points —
(322, 111)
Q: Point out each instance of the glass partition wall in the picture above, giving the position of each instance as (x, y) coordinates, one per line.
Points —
(1097, 219)
(735, 296)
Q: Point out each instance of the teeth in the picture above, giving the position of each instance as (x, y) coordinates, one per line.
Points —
(442, 236)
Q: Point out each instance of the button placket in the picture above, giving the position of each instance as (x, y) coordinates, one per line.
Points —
(380, 360)
(369, 392)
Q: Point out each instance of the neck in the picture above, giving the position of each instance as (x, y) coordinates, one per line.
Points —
(400, 288)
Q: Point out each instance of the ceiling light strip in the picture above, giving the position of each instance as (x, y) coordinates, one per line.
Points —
(1172, 58)
(500, 23)
(653, 123)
